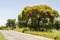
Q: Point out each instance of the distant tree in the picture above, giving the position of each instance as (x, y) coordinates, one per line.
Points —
(11, 23)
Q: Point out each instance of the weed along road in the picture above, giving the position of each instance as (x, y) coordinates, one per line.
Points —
(13, 35)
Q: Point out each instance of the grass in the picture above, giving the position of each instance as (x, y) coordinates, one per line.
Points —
(51, 35)
(21, 29)
(44, 34)
(18, 29)
(54, 34)
(57, 35)
(2, 37)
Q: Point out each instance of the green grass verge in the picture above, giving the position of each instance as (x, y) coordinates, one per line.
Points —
(18, 29)
(2, 37)
(44, 34)
(51, 35)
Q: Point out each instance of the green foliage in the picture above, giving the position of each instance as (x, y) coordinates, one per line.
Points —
(54, 34)
(25, 29)
(37, 17)
(11, 23)
(21, 29)
(44, 34)
(44, 6)
(2, 27)
(57, 34)
(57, 25)
(18, 29)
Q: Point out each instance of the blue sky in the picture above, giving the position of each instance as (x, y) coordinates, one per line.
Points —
(11, 8)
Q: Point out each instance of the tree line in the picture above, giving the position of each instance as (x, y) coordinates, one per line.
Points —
(39, 17)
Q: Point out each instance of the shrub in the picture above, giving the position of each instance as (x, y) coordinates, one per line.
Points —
(25, 29)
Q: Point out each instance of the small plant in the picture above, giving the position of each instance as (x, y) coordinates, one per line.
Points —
(25, 29)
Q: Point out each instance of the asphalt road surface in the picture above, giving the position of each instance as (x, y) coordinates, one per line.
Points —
(13, 35)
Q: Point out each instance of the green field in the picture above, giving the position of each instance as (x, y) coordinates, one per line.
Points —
(2, 37)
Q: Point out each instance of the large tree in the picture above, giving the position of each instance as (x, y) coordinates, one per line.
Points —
(24, 17)
(38, 15)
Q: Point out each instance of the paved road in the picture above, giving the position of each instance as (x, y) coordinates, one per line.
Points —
(13, 35)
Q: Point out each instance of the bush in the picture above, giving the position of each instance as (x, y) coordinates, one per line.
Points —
(3, 28)
(25, 29)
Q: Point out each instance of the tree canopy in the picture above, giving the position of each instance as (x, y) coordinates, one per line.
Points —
(11, 23)
(36, 16)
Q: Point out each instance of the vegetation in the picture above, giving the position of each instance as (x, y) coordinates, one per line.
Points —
(38, 20)
(53, 34)
(11, 23)
(2, 37)
(3, 27)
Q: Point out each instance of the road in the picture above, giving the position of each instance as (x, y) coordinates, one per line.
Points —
(13, 35)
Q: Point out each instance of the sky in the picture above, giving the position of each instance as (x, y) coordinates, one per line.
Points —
(11, 8)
